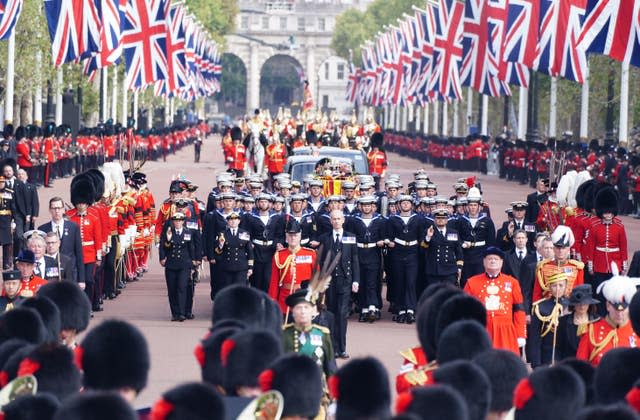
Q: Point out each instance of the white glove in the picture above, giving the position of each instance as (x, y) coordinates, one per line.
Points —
(522, 342)
(145, 232)
(124, 241)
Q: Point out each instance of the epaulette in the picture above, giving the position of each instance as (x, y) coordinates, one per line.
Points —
(307, 248)
(322, 328)
(577, 263)
(409, 355)
(543, 262)
(537, 302)
(289, 325)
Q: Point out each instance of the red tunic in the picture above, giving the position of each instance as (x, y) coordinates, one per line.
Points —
(602, 336)
(30, 288)
(377, 162)
(502, 299)
(90, 234)
(606, 243)
(238, 157)
(24, 155)
(572, 268)
(413, 359)
(288, 270)
(275, 158)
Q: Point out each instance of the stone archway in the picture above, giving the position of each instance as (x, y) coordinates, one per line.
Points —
(232, 98)
(281, 78)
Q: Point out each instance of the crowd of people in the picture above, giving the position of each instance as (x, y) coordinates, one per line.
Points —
(534, 318)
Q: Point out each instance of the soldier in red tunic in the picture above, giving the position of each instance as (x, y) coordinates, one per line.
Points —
(606, 241)
(237, 152)
(614, 330)
(275, 158)
(30, 283)
(377, 159)
(290, 266)
(503, 301)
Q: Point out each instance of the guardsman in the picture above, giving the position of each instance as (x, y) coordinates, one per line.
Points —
(290, 266)
(82, 196)
(405, 231)
(305, 337)
(369, 228)
(606, 243)
(238, 152)
(261, 225)
(7, 210)
(11, 282)
(177, 256)
(614, 330)
(29, 282)
(545, 318)
(275, 158)
(477, 232)
(48, 145)
(377, 159)
(444, 251)
(24, 151)
(550, 214)
(233, 254)
(167, 208)
(502, 298)
(297, 211)
(562, 239)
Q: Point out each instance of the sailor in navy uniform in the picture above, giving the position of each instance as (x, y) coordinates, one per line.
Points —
(233, 255)
(177, 256)
(261, 225)
(369, 228)
(298, 212)
(477, 232)
(444, 260)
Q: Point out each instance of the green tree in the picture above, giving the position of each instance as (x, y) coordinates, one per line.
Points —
(217, 16)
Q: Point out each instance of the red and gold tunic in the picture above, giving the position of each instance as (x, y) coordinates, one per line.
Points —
(275, 158)
(412, 360)
(606, 243)
(502, 299)
(573, 269)
(602, 336)
(377, 162)
(29, 288)
(289, 269)
(238, 157)
(90, 234)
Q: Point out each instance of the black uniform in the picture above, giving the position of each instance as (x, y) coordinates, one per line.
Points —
(534, 200)
(264, 246)
(404, 259)
(505, 242)
(368, 232)
(541, 332)
(7, 211)
(478, 236)
(7, 303)
(233, 260)
(306, 222)
(443, 256)
(179, 252)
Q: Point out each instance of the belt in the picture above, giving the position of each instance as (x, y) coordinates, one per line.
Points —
(367, 245)
(405, 243)
(304, 241)
(479, 243)
(87, 243)
(607, 249)
(4, 212)
(263, 243)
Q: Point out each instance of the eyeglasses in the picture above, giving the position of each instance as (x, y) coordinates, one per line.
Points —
(56, 208)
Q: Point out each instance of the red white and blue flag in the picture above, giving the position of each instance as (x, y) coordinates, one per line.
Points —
(426, 28)
(74, 28)
(560, 27)
(353, 84)
(9, 15)
(144, 42)
(612, 27)
(176, 58)
(447, 49)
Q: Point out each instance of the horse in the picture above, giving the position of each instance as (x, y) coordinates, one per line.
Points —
(255, 142)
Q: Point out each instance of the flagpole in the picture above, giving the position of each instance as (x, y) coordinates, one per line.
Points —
(8, 99)
(172, 104)
(135, 109)
(552, 108)
(59, 82)
(114, 96)
(584, 107)
(445, 123)
(125, 105)
(456, 130)
(105, 93)
(418, 119)
(37, 112)
(522, 112)
(398, 118)
(435, 125)
(623, 130)
(469, 109)
(166, 111)
(485, 115)
(425, 128)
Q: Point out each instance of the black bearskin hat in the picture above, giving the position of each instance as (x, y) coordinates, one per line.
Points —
(191, 401)
(49, 313)
(361, 388)
(72, 302)
(504, 370)
(96, 406)
(606, 201)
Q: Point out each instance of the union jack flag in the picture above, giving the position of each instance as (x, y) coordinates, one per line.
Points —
(9, 15)
(612, 27)
(111, 17)
(520, 41)
(426, 26)
(447, 49)
(560, 28)
(353, 84)
(368, 78)
(484, 26)
(74, 28)
(176, 59)
(144, 42)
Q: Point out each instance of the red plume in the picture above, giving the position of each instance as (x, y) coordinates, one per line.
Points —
(470, 181)
(161, 410)
(4, 378)
(199, 353)
(227, 346)
(403, 402)
(28, 367)
(265, 380)
(334, 386)
(78, 352)
(522, 394)
(633, 398)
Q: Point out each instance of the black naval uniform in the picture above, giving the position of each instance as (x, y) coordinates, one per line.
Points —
(7, 212)
(368, 232)
(180, 253)
(234, 259)
(478, 237)
(264, 246)
(443, 256)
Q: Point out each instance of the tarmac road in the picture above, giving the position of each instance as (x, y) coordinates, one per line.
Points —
(145, 304)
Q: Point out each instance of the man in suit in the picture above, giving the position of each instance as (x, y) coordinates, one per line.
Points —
(344, 280)
(33, 201)
(17, 188)
(177, 256)
(634, 267)
(69, 234)
(65, 268)
(45, 266)
(517, 258)
(536, 198)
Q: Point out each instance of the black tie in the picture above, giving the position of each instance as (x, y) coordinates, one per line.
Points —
(337, 239)
(37, 270)
(520, 255)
